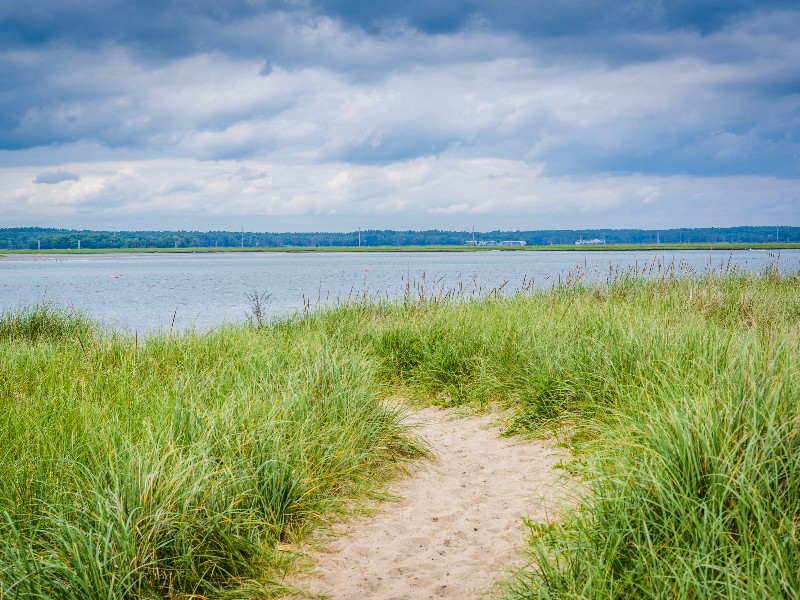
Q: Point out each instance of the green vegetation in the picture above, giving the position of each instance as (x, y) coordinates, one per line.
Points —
(174, 467)
(680, 399)
(689, 396)
(38, 238)
(177, 465)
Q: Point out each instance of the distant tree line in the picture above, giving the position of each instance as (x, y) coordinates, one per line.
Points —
(32, 238)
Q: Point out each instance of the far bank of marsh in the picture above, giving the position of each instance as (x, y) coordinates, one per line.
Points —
(178, 464)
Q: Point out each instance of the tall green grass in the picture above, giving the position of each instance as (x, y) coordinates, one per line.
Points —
(698, 499)
(177, 466)
(681, 399)
(43, 321)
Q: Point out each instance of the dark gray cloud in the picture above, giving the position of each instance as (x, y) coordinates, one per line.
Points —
(58, 176)
(180, 27)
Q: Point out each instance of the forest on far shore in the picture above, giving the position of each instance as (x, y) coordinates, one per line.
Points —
(33, 238)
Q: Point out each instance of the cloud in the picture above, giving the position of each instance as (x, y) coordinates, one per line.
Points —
(680, 114)
(174, 28)
(649, 194)
(421, 193)
(444, 110)
(473, 91)
(53, 177)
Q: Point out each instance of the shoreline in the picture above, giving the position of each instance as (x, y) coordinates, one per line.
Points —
(368, 249)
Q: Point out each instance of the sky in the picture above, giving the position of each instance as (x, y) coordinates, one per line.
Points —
(334, 115)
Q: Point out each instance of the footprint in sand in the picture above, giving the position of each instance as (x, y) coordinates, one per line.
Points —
(458, 527)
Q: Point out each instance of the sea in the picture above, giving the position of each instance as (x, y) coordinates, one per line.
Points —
(154, 292)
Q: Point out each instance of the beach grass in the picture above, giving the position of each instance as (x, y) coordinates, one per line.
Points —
(179, 465)
(680, 398)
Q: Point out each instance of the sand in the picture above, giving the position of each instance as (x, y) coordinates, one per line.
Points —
(458, 526)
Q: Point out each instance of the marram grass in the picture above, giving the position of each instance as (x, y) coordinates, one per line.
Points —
(176, 466)
(681, 398)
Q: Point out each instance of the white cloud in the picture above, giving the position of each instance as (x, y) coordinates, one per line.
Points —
(649, 194)
(450, 191)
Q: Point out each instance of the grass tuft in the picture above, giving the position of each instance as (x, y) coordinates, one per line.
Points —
(44, 321)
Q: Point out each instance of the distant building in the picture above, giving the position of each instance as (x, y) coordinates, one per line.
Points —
(593, 242)
(494, 243)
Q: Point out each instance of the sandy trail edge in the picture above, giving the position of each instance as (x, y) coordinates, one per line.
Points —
(458, 527)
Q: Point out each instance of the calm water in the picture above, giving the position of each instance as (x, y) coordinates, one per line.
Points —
(146, 292)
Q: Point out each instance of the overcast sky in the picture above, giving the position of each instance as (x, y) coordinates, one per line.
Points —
(308, 115)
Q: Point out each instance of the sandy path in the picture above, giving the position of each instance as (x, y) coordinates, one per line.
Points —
(458, 525)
